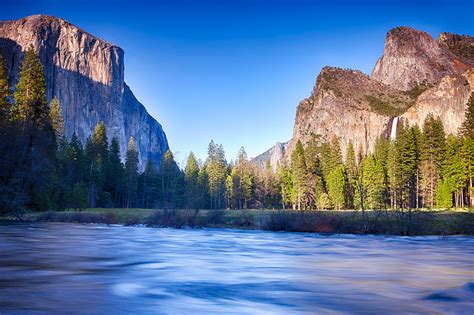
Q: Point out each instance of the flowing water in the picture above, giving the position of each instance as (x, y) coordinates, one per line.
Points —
(72, 268)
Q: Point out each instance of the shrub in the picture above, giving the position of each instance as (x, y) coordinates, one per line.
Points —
(213, 217)
(173, 218)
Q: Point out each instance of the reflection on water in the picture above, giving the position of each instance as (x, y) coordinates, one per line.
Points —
(57, 268)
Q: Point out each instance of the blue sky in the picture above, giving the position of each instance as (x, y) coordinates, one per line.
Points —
(234, 71)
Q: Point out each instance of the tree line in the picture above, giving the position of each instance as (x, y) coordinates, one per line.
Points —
(41, 169)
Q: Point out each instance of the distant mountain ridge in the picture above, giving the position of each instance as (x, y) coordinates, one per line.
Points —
(87, 75)
(415, 76)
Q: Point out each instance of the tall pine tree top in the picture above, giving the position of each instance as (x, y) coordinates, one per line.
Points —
(192, 167)
(30, 95)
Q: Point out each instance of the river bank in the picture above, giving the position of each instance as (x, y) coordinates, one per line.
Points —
(390, 222)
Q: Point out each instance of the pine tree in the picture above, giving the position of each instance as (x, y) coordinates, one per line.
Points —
(467, 127)
(467, 156)
(131, 173)
(216, 168)
(203, 180)
(336, 154)
(467, 131)
(191, 176)
(392, 170)
(270, 198)
(444, 196)
(61, 188)
(351, 171)
(147, 185)
(171, 181)
(96, 158)
(4, 90)
(432, 155)
(285, 178)
(314, 172)
(324, 202)
(114, 172)
(373, 182)
(337, 186)
(454, 172)
(35, 148)
(245, 179)
(57, 121)
(299, 172)
(407, 162)
(30, 94)
(381, 154)
(75, 158)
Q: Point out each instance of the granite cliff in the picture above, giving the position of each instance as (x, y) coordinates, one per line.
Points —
(415, 76)
(87, 75)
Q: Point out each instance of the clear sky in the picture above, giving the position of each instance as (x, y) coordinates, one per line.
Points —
(234, 71)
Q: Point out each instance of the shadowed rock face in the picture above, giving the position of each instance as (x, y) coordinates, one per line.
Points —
(415, 76)
(87, 75)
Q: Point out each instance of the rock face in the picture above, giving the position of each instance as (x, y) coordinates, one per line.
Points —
(87, 75)
(413, 57)
(274, 155)
(415, 76)
(447, 99)
(349, 105)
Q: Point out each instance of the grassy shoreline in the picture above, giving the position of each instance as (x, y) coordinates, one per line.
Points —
(389, 222)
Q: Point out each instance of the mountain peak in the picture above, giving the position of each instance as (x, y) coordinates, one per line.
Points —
(412, 57)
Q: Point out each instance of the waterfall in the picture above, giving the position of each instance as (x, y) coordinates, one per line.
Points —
(393, 132)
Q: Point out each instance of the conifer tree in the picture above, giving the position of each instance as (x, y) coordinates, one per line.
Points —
(171, 181)
(455, 171)
(147, 184)
(467, 127)
(4, 90)
(285, 178)
(314, 172)
(270, 198)
(30, 94)
(467, 156)
(131, 173)
(191, 175)
(337, 186)
(351, 171)
(407, 162)
(114, 172)
(35, 146)
(57, 121)
(432, 155)
(216, 168)
(373, 182)
(444, 196)
(203, 180)
(96, 158)
(245, 179)
(299, 172)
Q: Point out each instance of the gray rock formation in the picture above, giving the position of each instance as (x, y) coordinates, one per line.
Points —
(415, 76)
(87, 75)
(274, 155)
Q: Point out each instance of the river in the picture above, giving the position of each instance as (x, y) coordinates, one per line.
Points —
(48, 268)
